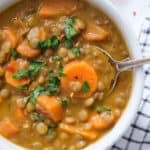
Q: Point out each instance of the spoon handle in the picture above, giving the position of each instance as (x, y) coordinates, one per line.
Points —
(126, 65)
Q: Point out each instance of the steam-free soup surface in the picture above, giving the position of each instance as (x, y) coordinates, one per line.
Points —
(54, 81)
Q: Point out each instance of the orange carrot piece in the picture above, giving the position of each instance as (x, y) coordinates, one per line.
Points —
(79, 71)
(95, 33)
(25, 50)
(51, 106)
(89, 135)
(11, 37)
(8, 128)
(56, 8)
(100, 122)
(20, 114)
(14, 66)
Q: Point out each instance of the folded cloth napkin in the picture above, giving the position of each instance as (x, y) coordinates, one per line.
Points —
(137, 136)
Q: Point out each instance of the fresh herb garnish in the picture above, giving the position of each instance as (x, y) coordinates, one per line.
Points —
(71, 20)
(22, 87)
(49, 133)
(76, 52)
(56, 58)
(64, 102)
(13, 53)
(54, 80)
(32, 71)
(53, 84)
(35, 67)
(85, 87)
(101, 109)
(51, 73)
(52, 42)
(70, 31)
(37, 116)
(68, 43)
(21, 74)
(45, 44)
(60, 70)
(35, 94)
(53, 126)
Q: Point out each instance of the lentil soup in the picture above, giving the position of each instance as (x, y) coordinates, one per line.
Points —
(54, 80)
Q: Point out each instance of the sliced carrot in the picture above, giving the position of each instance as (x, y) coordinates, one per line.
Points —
(98, 121)
(51, 106)
(79, 71)
(89, 135)
(54, 8)
(11, 37)
(25, 50)
(8, 128)
(20, 114)
(15, 65)
(95, 33)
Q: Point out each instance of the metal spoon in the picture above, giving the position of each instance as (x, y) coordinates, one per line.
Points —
(121, 66)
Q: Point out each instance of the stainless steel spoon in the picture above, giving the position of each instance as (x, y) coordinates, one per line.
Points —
(121, 66)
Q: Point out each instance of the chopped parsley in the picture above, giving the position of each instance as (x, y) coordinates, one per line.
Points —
(52, 42)
(85, 87)
(13, 53)
(49, 133)
(53, 84)
(35, 94)
(53, 126)
(68, 43)
(51, 73)
(32, 71)
(37, 116)
(54, 80)
(60, 70)
(35, 67)
(71, 20)
(64, 102)
(70, 31)
(76, 52)
(56, 58)
(21, 74)
(101, 109)
(22, 87)
(45, 44)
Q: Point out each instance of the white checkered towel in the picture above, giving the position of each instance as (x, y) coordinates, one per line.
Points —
(137, 136)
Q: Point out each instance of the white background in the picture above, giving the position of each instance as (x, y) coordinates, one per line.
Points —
(127, 7)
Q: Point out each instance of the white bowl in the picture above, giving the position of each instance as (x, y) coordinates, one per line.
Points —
(127, 117)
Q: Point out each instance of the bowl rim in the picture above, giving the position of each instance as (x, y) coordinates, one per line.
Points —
(137, 87)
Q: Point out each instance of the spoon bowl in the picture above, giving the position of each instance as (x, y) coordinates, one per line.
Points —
(120, 66)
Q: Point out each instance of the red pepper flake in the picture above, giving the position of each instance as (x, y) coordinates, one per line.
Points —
(134, 13)
(62, 36)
